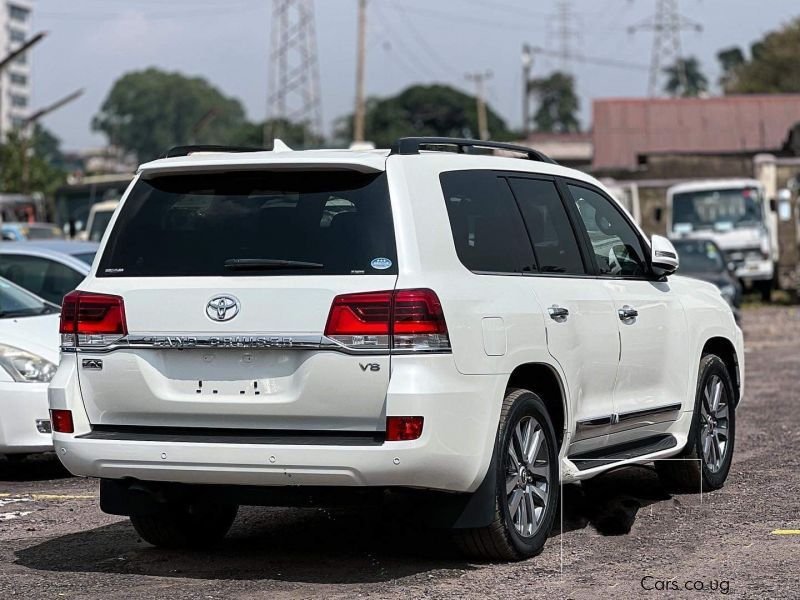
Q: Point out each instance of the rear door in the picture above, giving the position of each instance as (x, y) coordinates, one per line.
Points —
(581, 328)
(227, 280)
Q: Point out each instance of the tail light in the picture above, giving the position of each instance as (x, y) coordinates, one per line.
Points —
(61, 421)
(402, 320)
(400, 429)
(91, 320)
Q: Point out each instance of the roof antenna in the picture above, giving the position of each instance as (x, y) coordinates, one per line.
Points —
(280, 146)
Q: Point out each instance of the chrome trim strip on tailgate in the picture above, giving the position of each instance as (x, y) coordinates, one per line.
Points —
(257, 341)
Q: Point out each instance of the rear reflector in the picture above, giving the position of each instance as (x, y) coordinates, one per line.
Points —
(90, 319)
(400, 429)
(61, 421)
(404, 320)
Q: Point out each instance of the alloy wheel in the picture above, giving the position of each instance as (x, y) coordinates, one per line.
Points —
(527, 476)
(714, 415)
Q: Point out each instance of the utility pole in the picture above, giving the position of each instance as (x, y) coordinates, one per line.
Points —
(5, 61)
(483, 123)
(26, 136)
(360, 110)
(527, 65)
(666, 25)
(294, 96)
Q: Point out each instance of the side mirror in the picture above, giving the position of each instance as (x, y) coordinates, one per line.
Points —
(664, 258)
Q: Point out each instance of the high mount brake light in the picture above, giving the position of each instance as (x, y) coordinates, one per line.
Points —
(403, 320)
(91, 319)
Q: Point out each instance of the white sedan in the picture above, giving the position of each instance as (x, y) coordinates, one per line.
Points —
(28, 360)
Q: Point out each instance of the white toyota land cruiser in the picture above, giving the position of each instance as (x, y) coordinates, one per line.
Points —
(436, 320)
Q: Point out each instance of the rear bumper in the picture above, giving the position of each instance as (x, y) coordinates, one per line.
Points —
(763, 270)
(21, 406)
(461, 413)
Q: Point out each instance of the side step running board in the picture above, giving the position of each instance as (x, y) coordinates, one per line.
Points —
(626, 451)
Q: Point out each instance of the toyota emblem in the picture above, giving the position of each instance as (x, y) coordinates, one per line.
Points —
(222, 308)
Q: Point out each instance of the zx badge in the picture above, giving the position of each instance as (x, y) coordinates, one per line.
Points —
(370, 367)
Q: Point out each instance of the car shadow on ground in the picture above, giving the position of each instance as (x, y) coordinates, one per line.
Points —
(328, 546)
(36, 467)
(610, 502)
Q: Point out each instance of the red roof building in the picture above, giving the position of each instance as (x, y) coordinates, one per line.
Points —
(625, 129)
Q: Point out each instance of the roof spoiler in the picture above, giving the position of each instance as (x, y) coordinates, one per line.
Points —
(277, 146)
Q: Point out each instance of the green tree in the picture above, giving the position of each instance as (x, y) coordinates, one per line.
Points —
(773, 67)
(421, 110)
(31, 165)
(685, 79)
(729, 59)
(558, 103)
(296, 135)
(147, 112)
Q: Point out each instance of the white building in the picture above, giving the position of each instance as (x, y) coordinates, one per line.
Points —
(15, 80)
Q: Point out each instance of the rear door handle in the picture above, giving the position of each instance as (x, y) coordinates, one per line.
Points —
(627, 313)
(558, 313)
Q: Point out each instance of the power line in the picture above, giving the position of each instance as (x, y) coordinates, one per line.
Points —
(451, 18)
(666, 25)
(603, 62)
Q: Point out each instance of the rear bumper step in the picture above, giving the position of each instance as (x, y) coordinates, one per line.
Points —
(622, 452)
(221, 435)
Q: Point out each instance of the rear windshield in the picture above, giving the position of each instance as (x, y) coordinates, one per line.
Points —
(254, 223)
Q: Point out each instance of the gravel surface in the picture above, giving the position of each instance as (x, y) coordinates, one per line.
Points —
(623, 536)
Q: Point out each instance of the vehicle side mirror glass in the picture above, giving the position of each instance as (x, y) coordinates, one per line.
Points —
(664, 258)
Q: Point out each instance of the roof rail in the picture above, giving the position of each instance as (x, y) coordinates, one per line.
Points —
(187, 150)
(413, 145)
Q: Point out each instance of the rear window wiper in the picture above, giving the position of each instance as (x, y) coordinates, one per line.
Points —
(255, 264)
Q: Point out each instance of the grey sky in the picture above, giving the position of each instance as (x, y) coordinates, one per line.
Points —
(92, 42)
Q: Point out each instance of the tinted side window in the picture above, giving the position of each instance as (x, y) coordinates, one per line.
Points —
(487, 227)
(615, 244)
(45, 278)
(546, 218)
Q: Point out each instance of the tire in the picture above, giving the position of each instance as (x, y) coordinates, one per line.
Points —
(186, 526)
(705, 470)
(507, 537)
(765, 289)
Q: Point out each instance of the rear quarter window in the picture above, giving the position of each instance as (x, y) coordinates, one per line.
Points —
(488, 231)
(192, 224)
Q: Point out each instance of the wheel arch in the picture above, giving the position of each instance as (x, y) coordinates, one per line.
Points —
(545, 381)
(724, 348)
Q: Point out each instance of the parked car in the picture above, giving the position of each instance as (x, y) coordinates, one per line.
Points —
(15, 232)
(99, 217)
(463, 328)
(703, 259)
(50, 268)
(28, 360)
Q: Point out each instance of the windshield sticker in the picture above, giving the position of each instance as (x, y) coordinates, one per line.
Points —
(381, 263)
(114, 270)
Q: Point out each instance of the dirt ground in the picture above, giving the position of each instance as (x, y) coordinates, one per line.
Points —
(622, 537)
